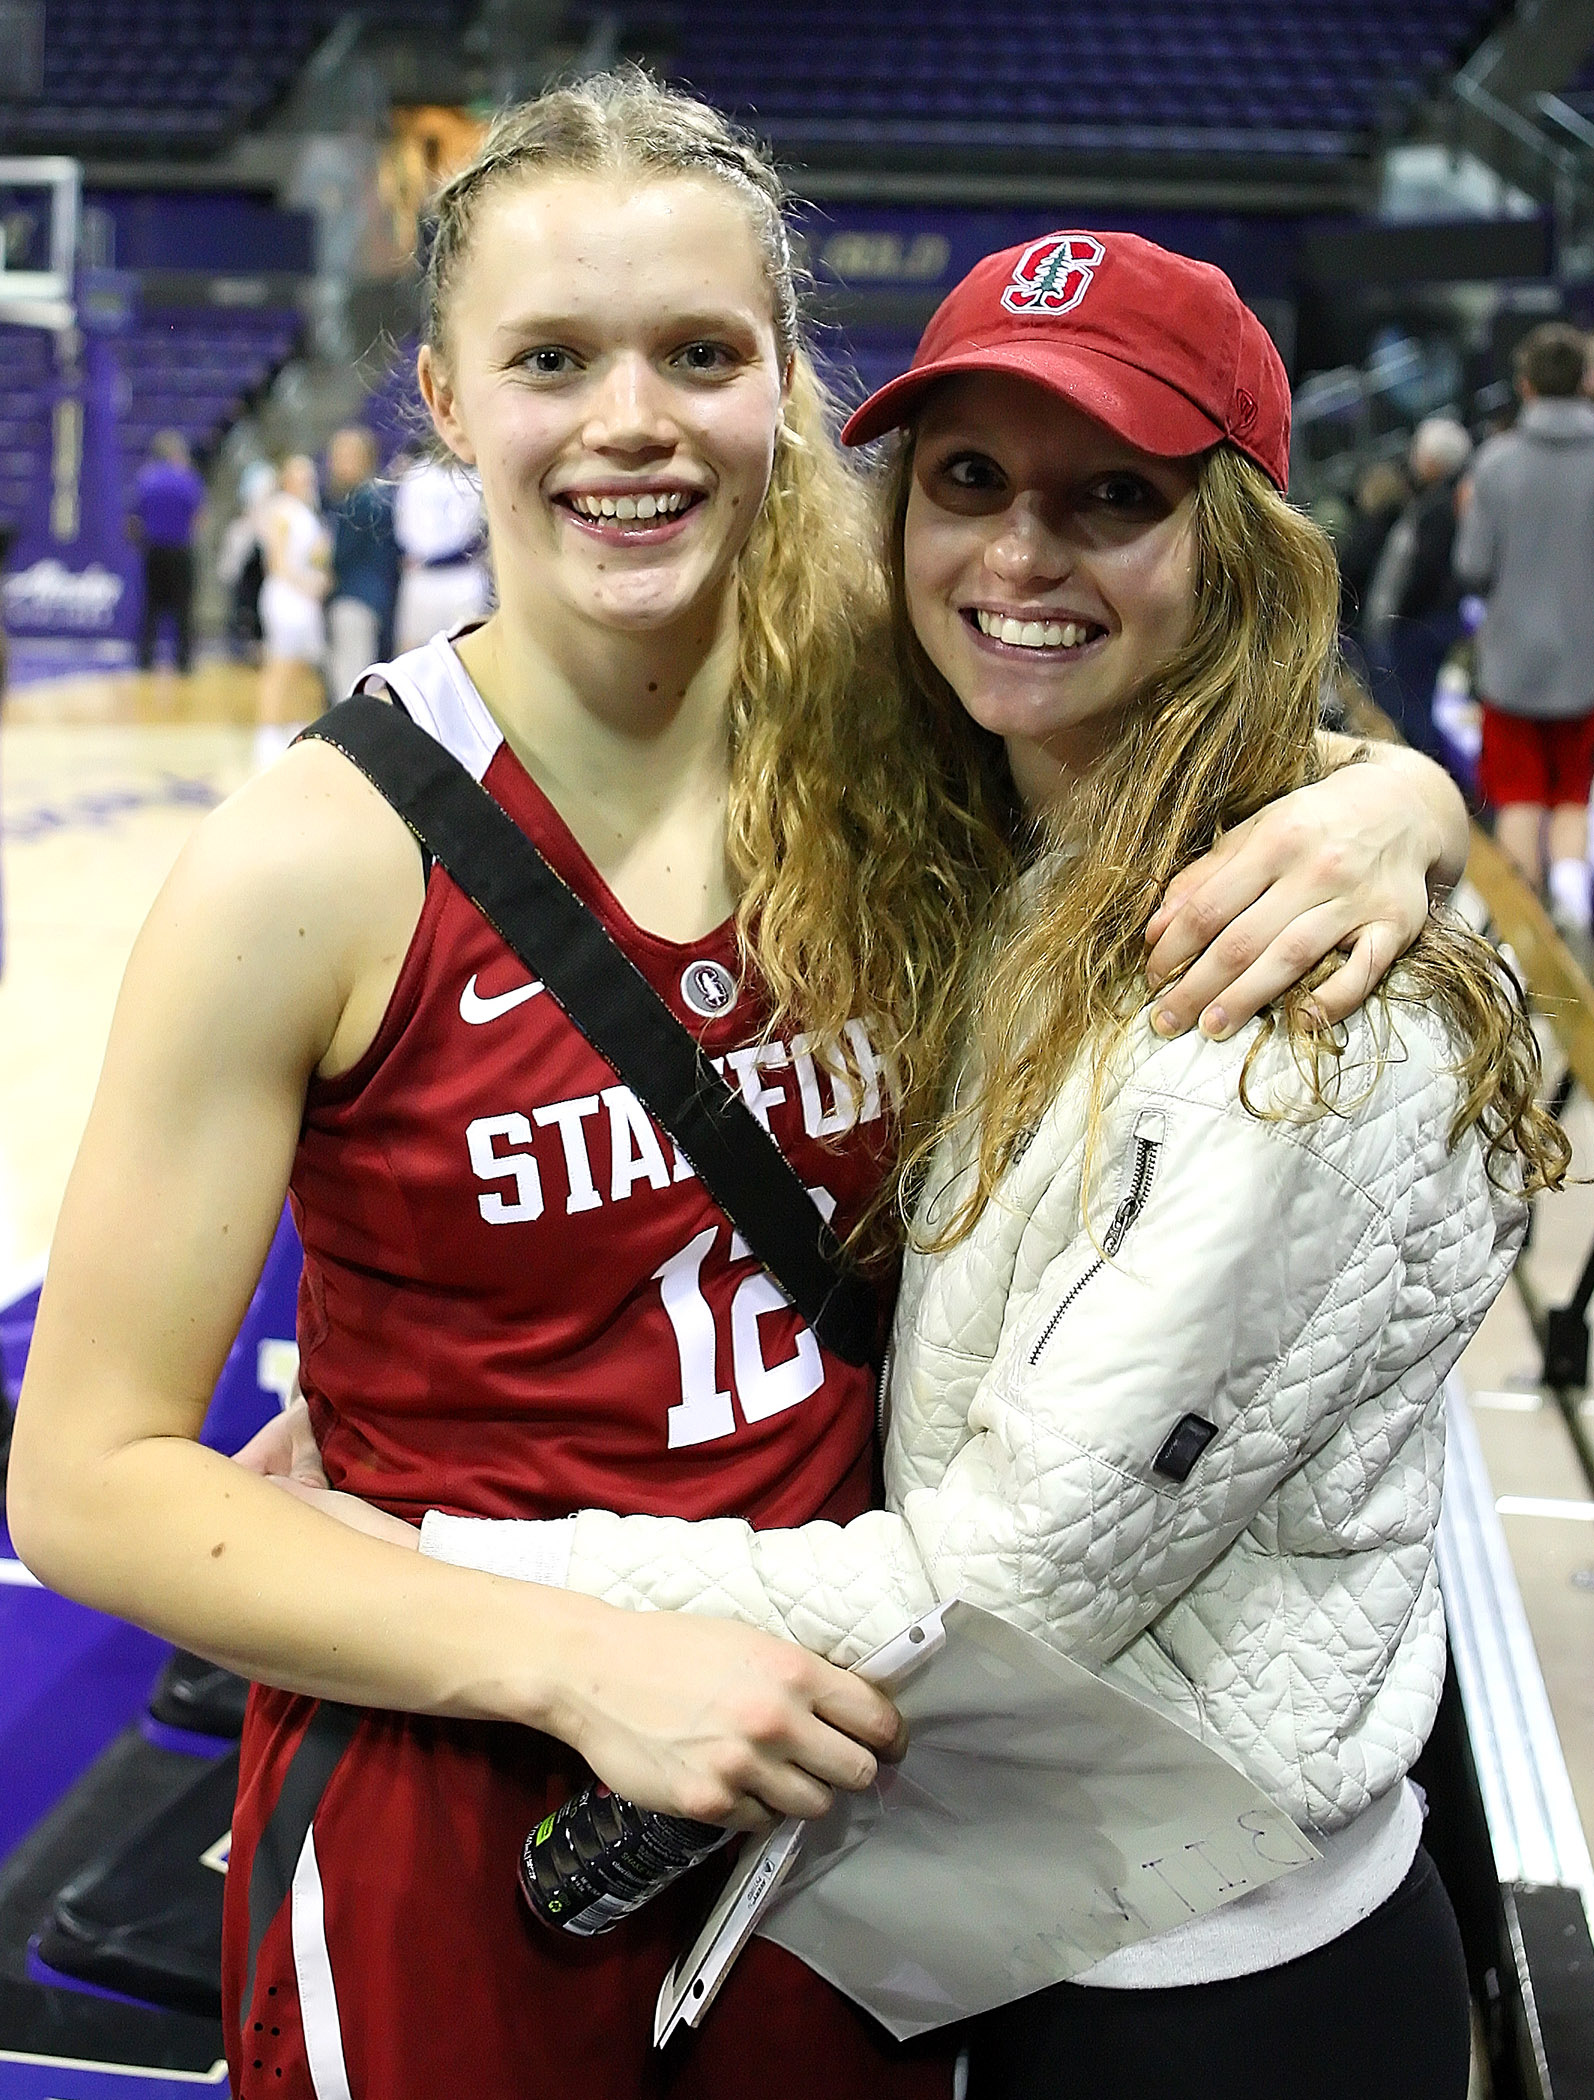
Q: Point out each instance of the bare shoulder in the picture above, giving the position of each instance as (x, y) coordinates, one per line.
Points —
(302, 890)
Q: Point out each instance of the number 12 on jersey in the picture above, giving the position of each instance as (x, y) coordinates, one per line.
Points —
(705, 1410)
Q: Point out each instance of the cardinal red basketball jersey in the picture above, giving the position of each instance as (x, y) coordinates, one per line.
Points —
(518, 1301)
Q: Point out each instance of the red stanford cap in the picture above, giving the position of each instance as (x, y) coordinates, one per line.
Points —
(1161, 349)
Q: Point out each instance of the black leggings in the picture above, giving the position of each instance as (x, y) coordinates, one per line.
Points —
(1379, 2014)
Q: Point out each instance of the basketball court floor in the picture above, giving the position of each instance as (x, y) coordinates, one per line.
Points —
(101, 780)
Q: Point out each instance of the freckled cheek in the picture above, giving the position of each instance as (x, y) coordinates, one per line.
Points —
(740, 450)
(513, 458)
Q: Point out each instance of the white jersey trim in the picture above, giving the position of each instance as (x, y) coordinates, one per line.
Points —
(435, 689)
(312, 1967)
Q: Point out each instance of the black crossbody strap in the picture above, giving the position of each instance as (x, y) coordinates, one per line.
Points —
(602, 991)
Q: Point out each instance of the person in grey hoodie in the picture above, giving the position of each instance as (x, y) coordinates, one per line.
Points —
(1526, 540)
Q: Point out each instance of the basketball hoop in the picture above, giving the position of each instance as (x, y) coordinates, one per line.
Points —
(41, 215)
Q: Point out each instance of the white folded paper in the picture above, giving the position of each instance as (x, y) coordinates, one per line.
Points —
(1041, 1819)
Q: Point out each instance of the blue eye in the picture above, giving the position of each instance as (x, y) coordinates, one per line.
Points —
(705, 357)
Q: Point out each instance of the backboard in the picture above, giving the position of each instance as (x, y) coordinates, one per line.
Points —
(41, 212)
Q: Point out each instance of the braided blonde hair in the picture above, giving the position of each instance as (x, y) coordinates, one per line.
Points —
(863, 832)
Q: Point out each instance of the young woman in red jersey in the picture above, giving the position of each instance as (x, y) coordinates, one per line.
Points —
(679, 698)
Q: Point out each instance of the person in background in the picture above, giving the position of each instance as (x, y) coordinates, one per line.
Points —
(437, 514)
(297, 549)
(240, 559)
(365, 560)
(167, 499)
(1526, 541)
(1412, 617)
(1381, 495)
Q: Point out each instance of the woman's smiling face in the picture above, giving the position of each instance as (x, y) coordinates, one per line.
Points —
(1049, 565)
(611, 369)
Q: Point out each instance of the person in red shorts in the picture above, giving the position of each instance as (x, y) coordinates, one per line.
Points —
(518, 1299)
(1526, 539)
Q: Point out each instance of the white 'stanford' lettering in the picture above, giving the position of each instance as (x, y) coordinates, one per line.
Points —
(506, 1148)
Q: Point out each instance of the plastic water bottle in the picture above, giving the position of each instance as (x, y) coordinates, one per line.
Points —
(599, 1858)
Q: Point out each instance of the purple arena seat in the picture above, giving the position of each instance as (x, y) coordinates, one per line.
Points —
(143, 74)
(1299, 71)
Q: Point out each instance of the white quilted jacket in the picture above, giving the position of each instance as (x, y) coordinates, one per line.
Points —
(1208, 1464)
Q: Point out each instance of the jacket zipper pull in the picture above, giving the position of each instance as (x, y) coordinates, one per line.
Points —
(1147, 1137)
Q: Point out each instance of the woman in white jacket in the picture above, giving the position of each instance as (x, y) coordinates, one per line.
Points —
(1170, 1347)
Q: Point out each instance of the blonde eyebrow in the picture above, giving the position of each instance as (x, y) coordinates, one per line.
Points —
(554, 327)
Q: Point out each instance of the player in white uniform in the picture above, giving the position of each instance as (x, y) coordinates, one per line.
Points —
(437, 518)
(298, 552)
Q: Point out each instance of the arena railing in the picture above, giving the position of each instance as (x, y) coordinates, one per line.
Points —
(1503, 1823)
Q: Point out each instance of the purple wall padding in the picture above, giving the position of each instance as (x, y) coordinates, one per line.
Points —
(72, 1681)
(73, 572)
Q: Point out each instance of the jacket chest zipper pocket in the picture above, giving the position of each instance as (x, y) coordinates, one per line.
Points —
(1142, 1171)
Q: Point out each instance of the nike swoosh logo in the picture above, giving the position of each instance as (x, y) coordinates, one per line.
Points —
(475, 1009)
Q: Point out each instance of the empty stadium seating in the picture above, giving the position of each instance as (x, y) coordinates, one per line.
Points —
(164, 76)
(189, 370)
(193, 371)
(1315, 76)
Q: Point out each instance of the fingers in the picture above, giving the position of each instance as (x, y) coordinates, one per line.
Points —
(349, 1511)
(300, 1490)
(796, 1771)
(307, 1464)
(714, 1721)
(1265, 951)
(799, 1747)
(1186, 885)
(859, 1709)
(1339, 996)
(1215, 890)
(270, 1449)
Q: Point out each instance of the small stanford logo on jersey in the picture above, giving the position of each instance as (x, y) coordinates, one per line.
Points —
(708, 988)
(1053, 274)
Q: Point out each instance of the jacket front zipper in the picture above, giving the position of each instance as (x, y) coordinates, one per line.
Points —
(1148, 1144)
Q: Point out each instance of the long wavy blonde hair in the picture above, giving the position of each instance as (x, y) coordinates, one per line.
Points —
(865, 832)
(1227, 725)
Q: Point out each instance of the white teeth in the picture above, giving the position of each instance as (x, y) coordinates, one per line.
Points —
(1032, 634)
(661, 504)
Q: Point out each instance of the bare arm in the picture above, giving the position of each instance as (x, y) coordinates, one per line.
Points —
(1349, 862)
(269, 954)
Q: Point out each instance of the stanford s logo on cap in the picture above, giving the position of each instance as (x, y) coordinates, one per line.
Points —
(1053, 274)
